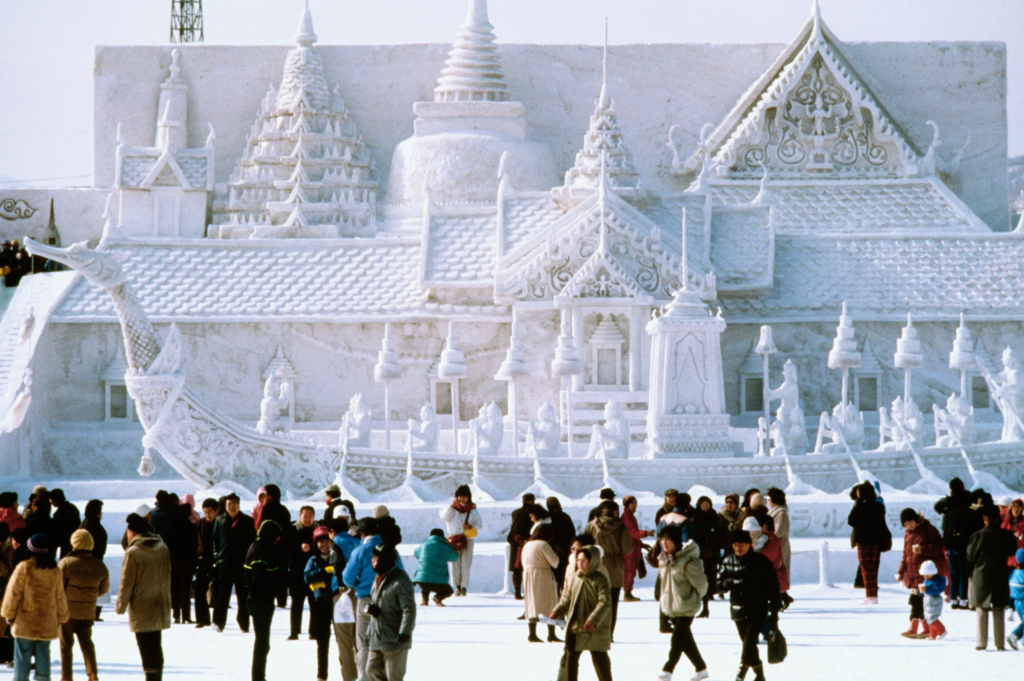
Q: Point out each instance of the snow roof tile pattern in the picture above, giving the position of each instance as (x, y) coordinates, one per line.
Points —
(371, 278)
(886, 277)
(461, 249)
(526, 214)
(803, 208)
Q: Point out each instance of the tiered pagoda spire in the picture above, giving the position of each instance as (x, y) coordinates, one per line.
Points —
(305, 171)
(473, 69)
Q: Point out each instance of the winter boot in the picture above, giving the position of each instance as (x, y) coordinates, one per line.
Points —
(787, 601)
(742, 673)
(424, 601)
(936, 631)
(1013, 642)
(519, 592)
(925, 631)
(533, 633)
(551, 635)
(706, 612)
(630, 598)
(154, 676)
(912, 631)
(758, 673)
(99, 609)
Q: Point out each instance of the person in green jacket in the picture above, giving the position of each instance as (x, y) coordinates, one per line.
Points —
(586, 608)
(431, 575)
(683, 585)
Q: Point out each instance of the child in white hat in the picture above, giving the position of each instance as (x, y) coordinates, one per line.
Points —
(933, 588)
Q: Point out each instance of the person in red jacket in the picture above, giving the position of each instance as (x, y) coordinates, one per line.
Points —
(631, 561)
(1013, 520)
(921, 542)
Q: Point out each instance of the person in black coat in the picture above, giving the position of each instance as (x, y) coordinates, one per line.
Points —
(38, 520)
(871, 536)
(606, 494)
(66, 520)
(958, 524)
(988, 555)
(518, 533)
(92, 525)
(562, 532)
(753, 587)
(266, 569)
(301, 550)
(233, 534)
(204, 561)
(274, 510)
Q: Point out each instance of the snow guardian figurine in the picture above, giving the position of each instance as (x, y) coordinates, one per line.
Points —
(1007, 388)
(357, 425)
(544, 436)
(423, 435)
(954, 425)
(903, 429)
(788, 430)
(486, 431)
(611, 440)
(846, 430)
(277, 397)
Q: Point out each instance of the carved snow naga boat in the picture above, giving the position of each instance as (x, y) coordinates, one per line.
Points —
(206, 447)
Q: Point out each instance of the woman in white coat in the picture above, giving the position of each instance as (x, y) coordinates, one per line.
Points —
(462, 523)
(540, 588)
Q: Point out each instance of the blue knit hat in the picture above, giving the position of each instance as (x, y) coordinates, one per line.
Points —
(1020, 556)
(38, 543)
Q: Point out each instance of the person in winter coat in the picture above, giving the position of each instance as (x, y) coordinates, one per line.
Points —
(540, 589)
(667, 506)
(870, 535)
(6, 568)
(233, 534)
(392, 610)
(66, 519)
(990, 575)
(359, 576)
(518, 533)
(85, 579)
(762, 535)
(345, 535)
(686, 528)
(933, 588)
(265, 571)
(731, 520)
(921, 542)
(9, 511)
(1017, 599)
(34, 606)
(92, 516)
(299, 553)
(563, 529)
(631, 560)
(684, 584)
(753, 586)
(38, 520)
(461, 519)
(204, 562)
(610, 534)
(173, 523)
(433, 557)
(274, 510)
(752, 500)
(145, 593)
(779, 513)
(957, 527)
(321, 576)
(585, 606)
(1013, 521)
(707, 528)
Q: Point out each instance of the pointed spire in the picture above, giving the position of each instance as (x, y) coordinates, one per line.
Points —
(473, 69)
(175, 69)
(305, 36)
(605, 100)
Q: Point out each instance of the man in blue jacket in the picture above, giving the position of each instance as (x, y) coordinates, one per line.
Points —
(359, 576)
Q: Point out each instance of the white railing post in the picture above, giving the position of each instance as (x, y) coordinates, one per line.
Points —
(824, 579)
(506, 589)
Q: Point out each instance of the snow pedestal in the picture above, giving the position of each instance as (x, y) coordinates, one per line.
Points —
(844, 355)
(824, 578)
(386, 370)
(513, 367)
(567, 363)
(962, 358)
(452, 368)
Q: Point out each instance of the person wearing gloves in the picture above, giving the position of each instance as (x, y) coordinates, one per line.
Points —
(753, 586)
(35, 607)
(933, 588)
(265, 571)
(392, 611)
(321, 574)
(462, 522)
(539, 588)
(85, 579)
(433, 557)
(145, 593)
(586, 608)
(683, 586)
(921, 542)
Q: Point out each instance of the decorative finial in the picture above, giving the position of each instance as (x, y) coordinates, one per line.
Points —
(605, 100)
(477, 12)
(305, 36)
(764, 195)
(816, 17)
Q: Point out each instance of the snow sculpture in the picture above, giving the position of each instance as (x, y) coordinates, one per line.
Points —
(304, 171)
(486, 431)
(423, 435)
(567, 363)
(544, 436)
(845, 427)
(788, 431)
(357, 424)
(962, 357)
(1007, 388)
(452, 368)
(903, 428)
(386, 370)
(843, 354)
(686, 414)
(908, 356)
(766, 348)
(19, 409)
(611, 440)
(275, 408)
(511, 368)
(954, 425)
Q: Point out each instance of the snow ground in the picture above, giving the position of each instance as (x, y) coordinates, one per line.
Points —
(476, 638)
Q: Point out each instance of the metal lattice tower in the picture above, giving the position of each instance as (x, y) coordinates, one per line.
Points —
(186, 21)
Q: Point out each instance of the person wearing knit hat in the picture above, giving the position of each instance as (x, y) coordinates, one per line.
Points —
(933, 588)
(85, 580)
(381, 512)
(35, 604)
(753, 586)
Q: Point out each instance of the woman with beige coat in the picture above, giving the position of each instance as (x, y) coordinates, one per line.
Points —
(539, 562)
(35, 607)
(145, 592)
(85, 579)
(779, 513)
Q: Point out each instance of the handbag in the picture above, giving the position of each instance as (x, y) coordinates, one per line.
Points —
(458, 542)
(776, 646)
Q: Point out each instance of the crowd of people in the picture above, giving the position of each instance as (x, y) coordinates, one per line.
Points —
(182, 565)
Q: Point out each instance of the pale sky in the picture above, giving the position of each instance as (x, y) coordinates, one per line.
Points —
(46, 53)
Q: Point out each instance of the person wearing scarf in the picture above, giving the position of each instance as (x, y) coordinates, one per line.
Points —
(461, 519)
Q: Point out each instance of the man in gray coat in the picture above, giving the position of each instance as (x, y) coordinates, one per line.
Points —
(392, 610)
(988, 553)
(145, 592)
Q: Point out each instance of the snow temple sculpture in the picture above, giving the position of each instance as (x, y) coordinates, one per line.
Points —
(357, 424)
(611, 439)
(1008, 390)
(544, 435)
(423, 433)
(788, 430)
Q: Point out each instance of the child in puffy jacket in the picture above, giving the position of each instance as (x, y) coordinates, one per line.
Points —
(933, 588)
(1017, 596)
